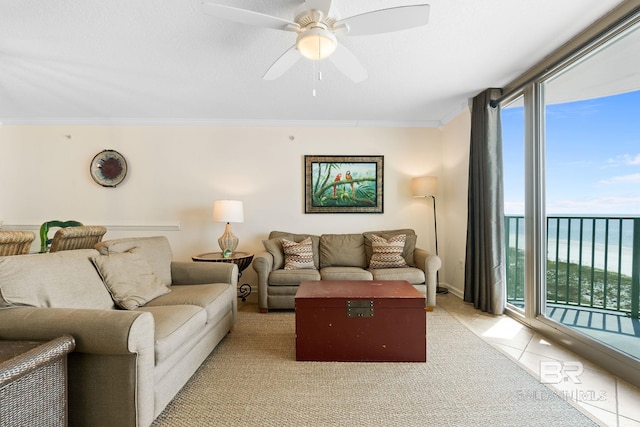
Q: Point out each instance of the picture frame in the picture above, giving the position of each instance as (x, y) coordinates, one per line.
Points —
(344, 184)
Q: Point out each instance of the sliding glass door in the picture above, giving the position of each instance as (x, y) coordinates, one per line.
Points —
(592, 181)
(513, 133)
(571, 143)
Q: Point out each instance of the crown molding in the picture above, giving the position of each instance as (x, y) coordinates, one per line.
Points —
(455, 112)
(219, 122)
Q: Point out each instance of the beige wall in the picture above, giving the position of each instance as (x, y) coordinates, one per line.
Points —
(455, 169)
(176, 172)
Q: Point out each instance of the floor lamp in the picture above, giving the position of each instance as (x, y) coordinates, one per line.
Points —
(427, 187)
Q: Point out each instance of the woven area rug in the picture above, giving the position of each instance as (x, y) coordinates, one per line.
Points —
(253, 379)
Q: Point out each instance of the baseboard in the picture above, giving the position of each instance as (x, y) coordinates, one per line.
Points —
(452, 290)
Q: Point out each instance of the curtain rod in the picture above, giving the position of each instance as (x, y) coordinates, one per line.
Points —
(610, 32)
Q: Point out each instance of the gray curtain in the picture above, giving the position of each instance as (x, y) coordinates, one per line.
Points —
(484, 283)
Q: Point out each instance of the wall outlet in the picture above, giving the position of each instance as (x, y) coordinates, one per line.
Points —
(460, 264)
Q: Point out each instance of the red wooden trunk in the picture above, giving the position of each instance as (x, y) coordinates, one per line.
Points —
(360, 321)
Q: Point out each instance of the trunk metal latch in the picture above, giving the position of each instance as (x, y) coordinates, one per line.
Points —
(359, 308)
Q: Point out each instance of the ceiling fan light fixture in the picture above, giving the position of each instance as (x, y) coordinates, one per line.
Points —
(316, 43)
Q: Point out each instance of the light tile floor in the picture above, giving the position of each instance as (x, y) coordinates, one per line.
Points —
(607, 399)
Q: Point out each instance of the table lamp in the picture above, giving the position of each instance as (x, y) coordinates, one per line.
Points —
(228, 211)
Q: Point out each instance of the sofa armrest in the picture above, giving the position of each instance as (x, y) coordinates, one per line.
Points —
(430, 264)
(263, 265)
(111, 380)
(95, 331)
(195, 273)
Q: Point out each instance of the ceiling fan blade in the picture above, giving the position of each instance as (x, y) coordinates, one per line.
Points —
(348, 64)
(323, 6)
(248, 17)
(386, 20)
(282, 64)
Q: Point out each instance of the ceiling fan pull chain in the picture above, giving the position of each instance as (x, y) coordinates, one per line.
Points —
(313, 78)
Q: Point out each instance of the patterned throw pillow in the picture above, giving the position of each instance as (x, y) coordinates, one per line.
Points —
(298, 256)
(387, 253)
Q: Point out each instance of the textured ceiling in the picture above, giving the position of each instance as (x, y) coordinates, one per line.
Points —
(165, 61)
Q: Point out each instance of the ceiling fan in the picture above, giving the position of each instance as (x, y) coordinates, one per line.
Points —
(317, 23)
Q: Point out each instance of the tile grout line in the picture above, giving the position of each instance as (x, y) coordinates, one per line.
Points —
(527, 346)
(617, 383)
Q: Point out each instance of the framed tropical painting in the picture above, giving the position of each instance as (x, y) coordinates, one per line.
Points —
(343, 184)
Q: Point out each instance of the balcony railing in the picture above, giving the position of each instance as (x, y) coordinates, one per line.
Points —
(592, 262)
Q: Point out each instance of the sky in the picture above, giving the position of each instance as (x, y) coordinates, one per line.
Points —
(592, 156)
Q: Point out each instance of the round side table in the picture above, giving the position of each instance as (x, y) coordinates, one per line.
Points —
(241, 259)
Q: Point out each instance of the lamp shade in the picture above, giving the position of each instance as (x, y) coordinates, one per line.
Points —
(228, 211)
(424, 186)
(316, 43)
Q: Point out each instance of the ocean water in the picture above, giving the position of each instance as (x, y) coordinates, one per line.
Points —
(592, 241)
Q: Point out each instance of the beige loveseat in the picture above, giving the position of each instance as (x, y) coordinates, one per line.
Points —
(128, 363)
(342, 257)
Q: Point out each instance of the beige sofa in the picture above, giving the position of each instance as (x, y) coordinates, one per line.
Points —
(341, 257)
(128, 363)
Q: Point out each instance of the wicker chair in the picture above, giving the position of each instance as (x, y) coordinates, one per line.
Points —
(81, 237)
(45, 241)
(33, 382)
(15, 242)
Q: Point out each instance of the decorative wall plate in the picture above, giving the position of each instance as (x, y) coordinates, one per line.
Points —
(108, 168)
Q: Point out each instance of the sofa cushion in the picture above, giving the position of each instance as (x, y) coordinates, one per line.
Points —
(174, 326)
(274, 246)
(387, 253)
(342, 250)
(129, 278)
(413, 275)
(345, 273)
(212, 297)
(65, 279)
(409, 245)
(298, 255)
(291, 277)
(156, 250)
